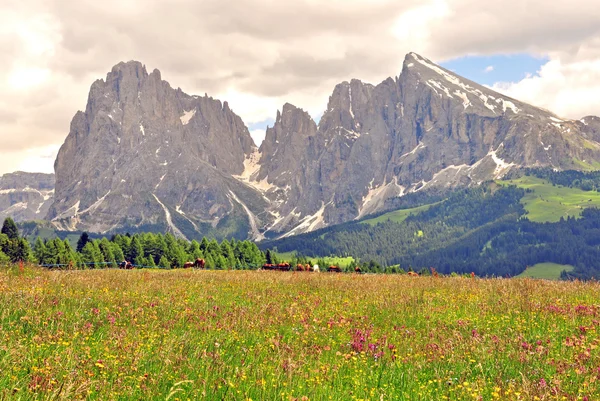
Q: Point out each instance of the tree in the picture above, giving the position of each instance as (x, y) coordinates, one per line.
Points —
(91, 254)
(228, 254)
(39, 250)
(83, 240)
(164, 262)
(4, 258)
(268, 256)
(194, 250)
(107, 252)
(9, 228)
(135, 249)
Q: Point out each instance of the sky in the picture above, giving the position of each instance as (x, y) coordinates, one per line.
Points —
(259, 54)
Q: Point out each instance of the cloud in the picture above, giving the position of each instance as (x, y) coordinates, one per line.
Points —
(258, 135)
(489, 68)
(569, 89)
(259, 54)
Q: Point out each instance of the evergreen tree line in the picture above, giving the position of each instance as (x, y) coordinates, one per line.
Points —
(146, 249)
(482, 230)
(13, 248)
(384, 243)
(584, 180)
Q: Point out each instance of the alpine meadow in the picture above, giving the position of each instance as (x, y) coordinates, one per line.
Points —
(308, 200)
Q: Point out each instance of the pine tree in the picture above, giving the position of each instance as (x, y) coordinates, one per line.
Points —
(91, 254)
(204, 245)
(83, 239)
(150, 262)
(4, 259)
(107, 253)
(220, 262)
(118, 253)
(164, 262)
(140, 261)
(268, 257)
(227, 253)
(174, 252)
(39, 250)
(9, 228)
(135, 249)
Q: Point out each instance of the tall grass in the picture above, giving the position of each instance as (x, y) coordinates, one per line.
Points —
(243, 335)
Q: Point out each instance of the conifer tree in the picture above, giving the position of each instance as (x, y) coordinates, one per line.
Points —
(84, 238)
(9, 228)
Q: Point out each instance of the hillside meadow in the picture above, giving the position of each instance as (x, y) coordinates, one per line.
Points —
(254, 335)
(548, 203)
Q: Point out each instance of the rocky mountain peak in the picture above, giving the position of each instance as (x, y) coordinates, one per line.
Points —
(130, 68)
(137, 145)
(284, 144)
(146, 155)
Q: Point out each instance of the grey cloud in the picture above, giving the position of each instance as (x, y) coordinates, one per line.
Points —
(538, 26)
(219, 42)
(281, 50)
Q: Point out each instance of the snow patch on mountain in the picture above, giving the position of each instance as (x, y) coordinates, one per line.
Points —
(310, 222)
(254, 223)
(187, 116)
(176, 231)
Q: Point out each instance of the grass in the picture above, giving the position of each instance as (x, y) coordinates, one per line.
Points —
(548, 271)
(397, 216)
(329, 260)
(548, 203)
(241, 335)
(587, 166)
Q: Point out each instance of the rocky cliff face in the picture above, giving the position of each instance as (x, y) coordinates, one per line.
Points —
(425, 128)
(145, 155)
(25, 196)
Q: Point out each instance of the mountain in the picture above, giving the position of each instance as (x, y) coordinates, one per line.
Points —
(25, 196)
(146, 156)
(479, 229)
(426, 128)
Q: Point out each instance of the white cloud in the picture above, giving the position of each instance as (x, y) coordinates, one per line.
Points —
(258, 135)
(489, 68)
(569, 89)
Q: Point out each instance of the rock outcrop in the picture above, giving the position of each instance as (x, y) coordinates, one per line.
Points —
(26, 196)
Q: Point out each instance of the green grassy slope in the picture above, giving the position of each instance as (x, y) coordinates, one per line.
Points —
(549, 271)
(329, 260)
(548, 203)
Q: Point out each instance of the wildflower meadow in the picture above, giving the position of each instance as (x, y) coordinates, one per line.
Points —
(256, 335)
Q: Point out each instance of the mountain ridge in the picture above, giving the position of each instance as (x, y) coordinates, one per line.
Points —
(144, 154)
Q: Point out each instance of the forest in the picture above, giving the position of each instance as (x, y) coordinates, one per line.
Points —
(484, 230)
(143, 250)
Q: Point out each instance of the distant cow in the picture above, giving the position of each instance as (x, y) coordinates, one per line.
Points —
(357, 270)
(188, 265)
(334, 269)
(199, 263)
(413, 274)
(125, 265)
(284, 267)
(307, 268)
(315, 268)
